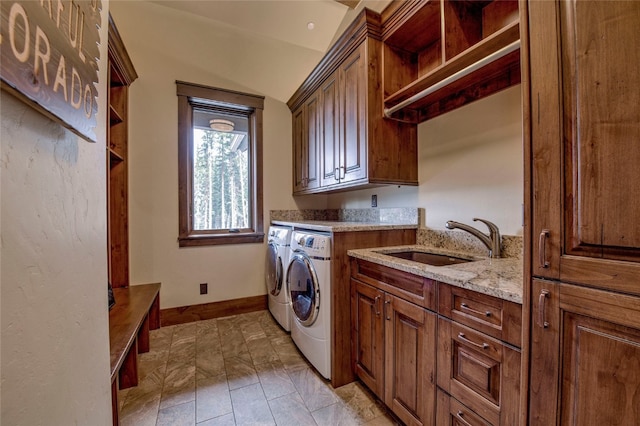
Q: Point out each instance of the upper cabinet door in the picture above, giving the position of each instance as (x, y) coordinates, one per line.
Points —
(329, 146)
(353, 100)
(585, 92)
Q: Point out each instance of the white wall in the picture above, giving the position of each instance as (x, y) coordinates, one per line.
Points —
(165, 46)
(470, 165)
(55, 337)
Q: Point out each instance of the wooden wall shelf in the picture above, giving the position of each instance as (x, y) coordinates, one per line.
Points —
(427, 42)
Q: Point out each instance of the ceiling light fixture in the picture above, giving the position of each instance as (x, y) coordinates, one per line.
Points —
(310, 26)
(222, 125)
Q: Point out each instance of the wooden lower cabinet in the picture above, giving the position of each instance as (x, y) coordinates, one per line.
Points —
(480, 371)
(451, 412)
(394, 352)
(585, 356)
(410, 361)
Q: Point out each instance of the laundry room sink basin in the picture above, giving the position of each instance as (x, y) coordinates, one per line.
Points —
(432, 259)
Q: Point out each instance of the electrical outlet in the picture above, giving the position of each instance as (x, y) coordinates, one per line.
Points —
(204, 288)
(374, 201)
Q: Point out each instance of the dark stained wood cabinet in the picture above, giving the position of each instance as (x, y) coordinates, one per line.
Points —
(358, 147)
(584, 278)
(341, 303)
(427, 44)
(121, 74)
(410, 361)
(394, 339)
(402, 348)
(306, 140)
(368, 335)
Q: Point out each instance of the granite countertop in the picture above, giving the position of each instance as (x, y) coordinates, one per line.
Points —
(340, 226)
(501, 278)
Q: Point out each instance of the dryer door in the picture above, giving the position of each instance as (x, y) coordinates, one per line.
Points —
(274, 270)
(304, 289)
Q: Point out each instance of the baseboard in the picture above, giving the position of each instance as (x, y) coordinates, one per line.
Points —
(205, 311)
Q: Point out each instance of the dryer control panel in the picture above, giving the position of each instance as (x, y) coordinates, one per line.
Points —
(313, 244)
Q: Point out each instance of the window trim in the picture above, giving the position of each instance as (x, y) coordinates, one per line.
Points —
(190, 94)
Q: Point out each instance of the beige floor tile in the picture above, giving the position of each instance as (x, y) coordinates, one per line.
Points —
(179, 385)
(213, 398)
(250, 407)
(140, 412)
(178, 415)
(242, 369)
(290, 410)
(274, 380)
(360, 401)
(209, 364)
(226, 420)
(314, 390)
(261, 351)
(240, 372)
(336, 414)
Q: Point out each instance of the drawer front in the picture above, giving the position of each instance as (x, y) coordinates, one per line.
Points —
(413, 288)
(479, 371)
(451, 412)
(496, 317)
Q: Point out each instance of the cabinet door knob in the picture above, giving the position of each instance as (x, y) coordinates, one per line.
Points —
(375, 305)
(386, 312)
(336, 173)
(542, 248)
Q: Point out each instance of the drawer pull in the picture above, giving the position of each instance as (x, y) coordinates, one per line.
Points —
(462, 337)
(541, 309)
(542, 248)
(466, 307)
(460, 416)
(375, 306)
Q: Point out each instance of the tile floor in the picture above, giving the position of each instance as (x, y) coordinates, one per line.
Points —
(238, 370)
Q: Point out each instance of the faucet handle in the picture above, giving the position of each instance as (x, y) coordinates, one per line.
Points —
(493, 228)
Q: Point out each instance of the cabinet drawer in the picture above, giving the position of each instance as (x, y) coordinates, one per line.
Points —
(491, 315)
(480, 371)
(451, 412)
(413, 288)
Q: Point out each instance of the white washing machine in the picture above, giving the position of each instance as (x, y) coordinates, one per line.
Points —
(276, 263)
(309, 288)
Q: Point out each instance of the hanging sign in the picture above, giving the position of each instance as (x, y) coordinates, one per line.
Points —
(49, 58)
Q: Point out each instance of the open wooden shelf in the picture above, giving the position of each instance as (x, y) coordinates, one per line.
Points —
(426, 42)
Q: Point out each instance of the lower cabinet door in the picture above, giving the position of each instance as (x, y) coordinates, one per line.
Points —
(451, 412)
(479, 371)
(368, 335)
(410, 357)
(585, 355)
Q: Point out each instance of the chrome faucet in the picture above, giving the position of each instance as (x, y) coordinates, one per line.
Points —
(492, 241)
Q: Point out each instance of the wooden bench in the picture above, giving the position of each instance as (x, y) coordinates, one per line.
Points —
(137, 310)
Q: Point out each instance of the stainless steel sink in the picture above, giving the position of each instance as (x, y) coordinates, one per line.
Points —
(432, 259)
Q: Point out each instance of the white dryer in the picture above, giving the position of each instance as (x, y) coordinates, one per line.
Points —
(276, 263)
(309, 288)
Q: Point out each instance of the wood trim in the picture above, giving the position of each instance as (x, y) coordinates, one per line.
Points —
(118, 55)
(202, 92)
(366, 24)
(205, 311)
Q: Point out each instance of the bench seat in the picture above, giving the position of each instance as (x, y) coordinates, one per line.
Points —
(137, 310)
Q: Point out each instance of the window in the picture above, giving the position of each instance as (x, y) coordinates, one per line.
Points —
(219, 166)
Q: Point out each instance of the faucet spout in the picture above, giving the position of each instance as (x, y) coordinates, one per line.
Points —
(492, 241)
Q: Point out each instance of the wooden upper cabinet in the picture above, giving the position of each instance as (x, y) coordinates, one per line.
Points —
(306, 144)
(585, 128)
(358, 147)
(441, 55)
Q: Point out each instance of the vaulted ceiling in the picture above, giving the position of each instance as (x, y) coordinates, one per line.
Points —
(273, 35)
